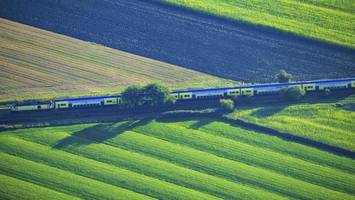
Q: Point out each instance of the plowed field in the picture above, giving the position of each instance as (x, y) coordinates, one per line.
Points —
(40, 64)
(202, 42)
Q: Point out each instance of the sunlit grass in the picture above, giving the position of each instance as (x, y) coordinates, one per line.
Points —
(326, 20)
(330, 123)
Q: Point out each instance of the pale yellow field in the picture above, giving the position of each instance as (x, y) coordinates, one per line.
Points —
(37, 64)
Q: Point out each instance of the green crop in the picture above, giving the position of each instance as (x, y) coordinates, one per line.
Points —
(326, 20)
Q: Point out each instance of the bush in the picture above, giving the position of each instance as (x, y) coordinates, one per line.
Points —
(283, 77)
(227, 105)
(293, 93)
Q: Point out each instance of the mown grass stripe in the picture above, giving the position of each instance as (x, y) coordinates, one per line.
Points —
(307, 120)
(222, 167)
(147, 165)
(256, 156)
(13, 189)
(272, 143)
(99, 171)
(61, 180)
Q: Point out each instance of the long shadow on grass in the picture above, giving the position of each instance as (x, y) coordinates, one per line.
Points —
(289, 137)
(200, 121)
(99, 133)
(268, 111)
(203, 119)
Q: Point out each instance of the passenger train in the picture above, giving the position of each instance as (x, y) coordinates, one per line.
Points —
(190, 94)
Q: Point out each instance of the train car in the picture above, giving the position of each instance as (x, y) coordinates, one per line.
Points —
(185, 95)
(352, 84)
(309, 87)
(334, 84)
(270, 89)
(199, 93)
(233, 92)
(86, 102)
(209, 94)
(31, 105)
(247, 91)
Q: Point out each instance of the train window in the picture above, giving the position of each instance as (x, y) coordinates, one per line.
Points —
(186, 95)
(109, 101)
(38, 107)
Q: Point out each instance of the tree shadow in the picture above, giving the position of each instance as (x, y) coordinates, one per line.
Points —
(99, 133)
(268, 111)
(349, 107)
(286, 136)
(200, 120)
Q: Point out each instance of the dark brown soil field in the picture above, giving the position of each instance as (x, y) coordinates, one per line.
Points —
(186, 38)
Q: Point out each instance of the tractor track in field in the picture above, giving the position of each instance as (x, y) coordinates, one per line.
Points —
(187, 38)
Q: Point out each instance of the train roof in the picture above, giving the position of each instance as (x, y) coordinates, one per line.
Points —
(86, 98)
(265, 85)
(30, 103)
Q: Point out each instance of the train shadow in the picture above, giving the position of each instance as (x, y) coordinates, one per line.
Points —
(99, 133)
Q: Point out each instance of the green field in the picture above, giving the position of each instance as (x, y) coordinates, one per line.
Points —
(39, 64)
(326, 20)
(331, 123)
(197, 158)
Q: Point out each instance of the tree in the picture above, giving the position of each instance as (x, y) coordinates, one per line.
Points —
(131, 96)
(283, 77)
(293, 93)
(155, 95)
(151, 95)
(226, 105)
